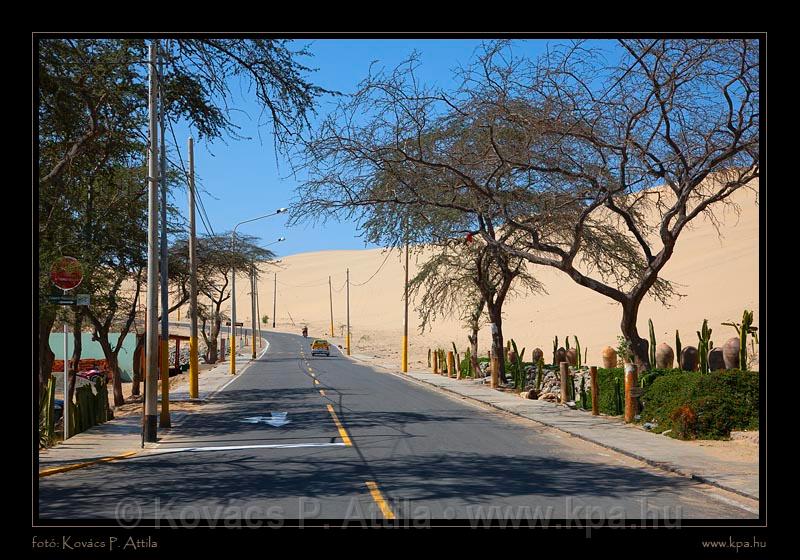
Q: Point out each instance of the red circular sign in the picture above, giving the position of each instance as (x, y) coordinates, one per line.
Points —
(66, 273)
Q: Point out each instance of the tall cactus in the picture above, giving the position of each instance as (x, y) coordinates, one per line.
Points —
(652, 344)
(429, 357)
(555, 351)
(539, 374)
(567, 347)
(704, 345)
(578, 352)
(743, 329)
(678, 347)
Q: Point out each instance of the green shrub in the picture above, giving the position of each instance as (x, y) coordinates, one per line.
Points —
(704, 406)
(605, 384)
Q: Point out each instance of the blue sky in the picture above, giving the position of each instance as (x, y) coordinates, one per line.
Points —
(242, 177)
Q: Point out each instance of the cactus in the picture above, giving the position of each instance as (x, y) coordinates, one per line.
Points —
(586, 355)
(539, 374)
(567, 347)
(429, 357)
(652, 344)
(704, 345)
(618, 408)
(584, 396)
(46, 411)
(518, 368)
(555, 351)
(578, 351)
(678, 347)
(743, 329)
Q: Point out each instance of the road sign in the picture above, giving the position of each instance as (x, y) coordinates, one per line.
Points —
(66, 273)
(62, 300)
(83, 299)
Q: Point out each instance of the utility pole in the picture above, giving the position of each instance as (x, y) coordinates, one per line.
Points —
(232, 339)
(274, 299)
(258, 314)
(164, 421)
(193, 360)
(347, 340)
(405, 317)
(330, 292)
(253, 305)
(151, 388)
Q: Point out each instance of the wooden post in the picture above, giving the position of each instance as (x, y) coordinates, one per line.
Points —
(631, 381)
(595, 391)
(435, 362)
(495, 370)
(450, 365)
(177, 353)
(564, 380)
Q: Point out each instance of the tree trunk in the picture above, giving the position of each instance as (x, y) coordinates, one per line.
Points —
(498, 347)
(46, 356)
(76, 351)
(639, 346)
(213, 347)
(473, 352)
(113, 366)
(137, 365)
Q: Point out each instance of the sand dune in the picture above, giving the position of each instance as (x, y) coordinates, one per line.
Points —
(718, 275)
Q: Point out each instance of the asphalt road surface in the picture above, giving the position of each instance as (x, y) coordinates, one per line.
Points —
(301, 437)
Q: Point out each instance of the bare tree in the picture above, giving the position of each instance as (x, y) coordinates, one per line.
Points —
(597, 168)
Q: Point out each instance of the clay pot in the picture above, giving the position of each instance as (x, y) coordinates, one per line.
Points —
(665, 356)
(609, 357)
(572, 357)
(689, 358)
(537, 355)
(730, 353)
(561, 355)
(715, 359)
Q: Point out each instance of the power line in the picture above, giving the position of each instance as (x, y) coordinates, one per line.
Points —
(388, 252)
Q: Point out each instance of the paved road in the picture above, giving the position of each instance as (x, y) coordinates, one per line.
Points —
(364, 444)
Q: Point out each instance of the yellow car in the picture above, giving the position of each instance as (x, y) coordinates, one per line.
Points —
(320, 346)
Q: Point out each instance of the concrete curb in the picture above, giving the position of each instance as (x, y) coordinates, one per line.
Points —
(657, 464)
(75, 466)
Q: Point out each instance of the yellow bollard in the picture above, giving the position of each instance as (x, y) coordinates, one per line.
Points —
(193, 368)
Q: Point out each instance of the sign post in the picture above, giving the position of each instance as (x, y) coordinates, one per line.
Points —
(67, 274)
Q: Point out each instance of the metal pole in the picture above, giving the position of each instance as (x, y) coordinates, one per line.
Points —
(405, 318)
(347, 340)
(274, 299)
(253, 305)
(232, 340)
(164, 421)
(151, 387)
(258, 314)
(66, 385)
(193, 358)
(330, 292)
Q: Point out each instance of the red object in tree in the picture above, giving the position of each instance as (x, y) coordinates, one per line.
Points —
(469, 238)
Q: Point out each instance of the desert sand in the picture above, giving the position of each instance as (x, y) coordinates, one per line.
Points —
(717, 271)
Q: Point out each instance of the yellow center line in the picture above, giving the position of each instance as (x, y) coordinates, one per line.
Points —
(380, 500)
(342, 431)
(316, 382)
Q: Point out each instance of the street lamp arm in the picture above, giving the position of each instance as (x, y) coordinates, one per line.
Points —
(279, 211)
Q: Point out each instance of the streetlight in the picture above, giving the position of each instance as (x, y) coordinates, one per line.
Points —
(253, 301)
(233, 285)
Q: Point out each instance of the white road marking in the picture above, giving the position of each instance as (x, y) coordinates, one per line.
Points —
(236, 447)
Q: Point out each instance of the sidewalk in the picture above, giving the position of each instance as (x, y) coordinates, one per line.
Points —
(657, 450)
(122, 436)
